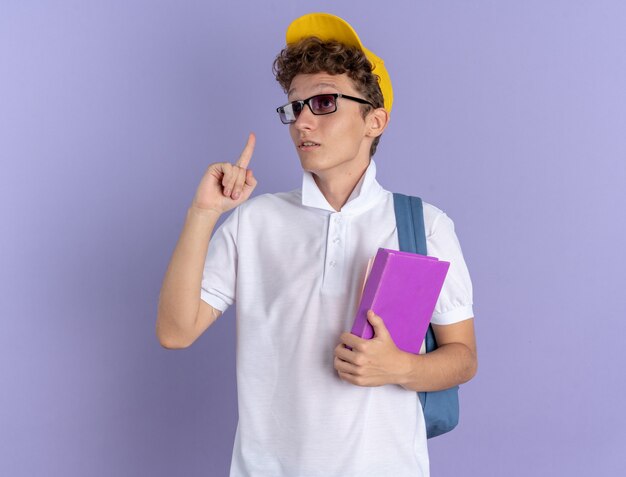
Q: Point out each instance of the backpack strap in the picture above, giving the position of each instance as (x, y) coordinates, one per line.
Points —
(410, 223)
(441, 408)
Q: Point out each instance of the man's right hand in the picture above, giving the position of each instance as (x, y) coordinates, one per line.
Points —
(225, 185)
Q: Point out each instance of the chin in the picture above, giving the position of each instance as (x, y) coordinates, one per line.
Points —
(314, 164)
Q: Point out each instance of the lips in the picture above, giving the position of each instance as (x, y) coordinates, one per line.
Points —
(307, 144)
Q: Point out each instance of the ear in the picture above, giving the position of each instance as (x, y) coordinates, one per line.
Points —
(377, 121)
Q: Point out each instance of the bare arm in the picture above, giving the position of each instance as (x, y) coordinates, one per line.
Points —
(179, 319)
(454, 362)
(182, 315)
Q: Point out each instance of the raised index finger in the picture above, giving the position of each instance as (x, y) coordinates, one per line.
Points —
(246, 155)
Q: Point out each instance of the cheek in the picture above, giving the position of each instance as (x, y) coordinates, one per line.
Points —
(346, 128)
(351, 133)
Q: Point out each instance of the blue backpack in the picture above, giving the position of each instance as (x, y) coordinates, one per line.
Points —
(441, 408)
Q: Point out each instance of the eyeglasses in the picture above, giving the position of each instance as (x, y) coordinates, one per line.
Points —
(319, 105)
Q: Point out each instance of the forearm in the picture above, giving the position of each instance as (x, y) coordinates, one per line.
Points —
(449, 365)
(180, 292)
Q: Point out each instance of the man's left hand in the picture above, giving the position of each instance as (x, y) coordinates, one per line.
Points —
(372, 362)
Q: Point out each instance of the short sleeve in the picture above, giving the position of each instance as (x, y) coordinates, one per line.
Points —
(220, 268)
(455, 301)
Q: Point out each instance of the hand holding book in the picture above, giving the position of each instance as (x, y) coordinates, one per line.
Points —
(402, 288)
(373, 362)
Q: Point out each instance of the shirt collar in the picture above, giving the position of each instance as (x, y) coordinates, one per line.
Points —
(364, 196)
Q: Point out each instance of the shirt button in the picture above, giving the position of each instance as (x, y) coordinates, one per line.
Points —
(338, 220)
(336, 240)
(333, 264)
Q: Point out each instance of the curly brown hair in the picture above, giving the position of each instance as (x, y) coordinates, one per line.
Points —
(312, 55)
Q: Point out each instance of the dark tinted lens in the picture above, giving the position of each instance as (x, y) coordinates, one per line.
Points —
(296, 107)
(323, 104)
(289, 113)
(285, 116)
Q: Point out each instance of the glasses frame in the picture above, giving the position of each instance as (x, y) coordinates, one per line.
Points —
(302, 102)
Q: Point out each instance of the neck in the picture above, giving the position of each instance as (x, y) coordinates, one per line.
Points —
(337, 188)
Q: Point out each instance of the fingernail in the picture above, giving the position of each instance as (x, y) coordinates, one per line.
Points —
(226, 191)
(236, 195)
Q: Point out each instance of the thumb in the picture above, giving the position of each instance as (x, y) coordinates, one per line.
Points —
(377, 323)
(250, 181)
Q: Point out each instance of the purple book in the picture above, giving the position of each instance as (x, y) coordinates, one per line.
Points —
(402, 288)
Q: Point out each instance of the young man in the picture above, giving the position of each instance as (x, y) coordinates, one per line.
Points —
(295, 262)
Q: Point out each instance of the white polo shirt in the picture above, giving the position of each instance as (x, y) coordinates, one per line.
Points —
(295, 266)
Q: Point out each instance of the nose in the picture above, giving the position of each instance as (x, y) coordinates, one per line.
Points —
(306, 120)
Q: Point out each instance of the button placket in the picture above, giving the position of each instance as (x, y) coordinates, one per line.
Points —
(335, 253)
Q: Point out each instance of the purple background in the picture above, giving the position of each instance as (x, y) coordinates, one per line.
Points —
(510, 116)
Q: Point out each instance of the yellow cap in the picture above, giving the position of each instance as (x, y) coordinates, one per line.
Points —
(330, 27)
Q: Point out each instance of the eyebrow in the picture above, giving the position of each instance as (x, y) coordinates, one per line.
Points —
(319, 85)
